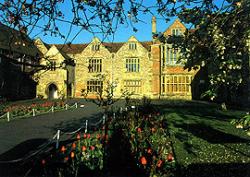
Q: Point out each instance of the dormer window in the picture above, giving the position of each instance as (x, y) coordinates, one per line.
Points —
(176, 32)
(132, 46)
(95, 47)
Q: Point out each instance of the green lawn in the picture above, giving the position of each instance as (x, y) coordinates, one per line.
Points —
(204, 141)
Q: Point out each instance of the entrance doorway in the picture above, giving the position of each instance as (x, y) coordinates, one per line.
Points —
(52, 91)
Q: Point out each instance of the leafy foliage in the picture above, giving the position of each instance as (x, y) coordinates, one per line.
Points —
(219, 43)
(243, 122)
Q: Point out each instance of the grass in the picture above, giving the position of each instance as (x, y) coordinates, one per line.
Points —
(204, 141)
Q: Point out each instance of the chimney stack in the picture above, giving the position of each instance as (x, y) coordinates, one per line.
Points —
(153, 25)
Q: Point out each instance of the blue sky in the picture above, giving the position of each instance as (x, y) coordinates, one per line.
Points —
(122, 34)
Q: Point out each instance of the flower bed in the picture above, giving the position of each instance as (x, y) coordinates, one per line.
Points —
(86, 153)
(149, 143)
(135, 141)
(23, 110)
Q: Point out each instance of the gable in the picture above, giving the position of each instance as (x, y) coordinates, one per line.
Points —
(176, 25)
(54, 54)
(95, 46)
(136, 46)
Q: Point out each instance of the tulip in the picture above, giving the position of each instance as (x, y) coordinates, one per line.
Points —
(159, 163)
(84, 136)
(170, 157)
(143, 160)
(72, 155)
(149, 151)
(88, 136)
(139, 130)
(63, 149)
(73, 145)
(84, 148)
(92, 148)
(78, 137)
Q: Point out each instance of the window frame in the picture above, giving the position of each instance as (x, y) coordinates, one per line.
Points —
(133, 86)
(132, 65)
(176, 84)
(95, 65)
(94, 86)
(132, 46)
(169, 55)
(95, 47)
(176, 32)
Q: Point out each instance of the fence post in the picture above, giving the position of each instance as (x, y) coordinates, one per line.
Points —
(33, 112)
(57, 139)
(8, 116)
(86, 126)
(103, 119)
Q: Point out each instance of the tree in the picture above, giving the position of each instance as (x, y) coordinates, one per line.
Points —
(218, 40)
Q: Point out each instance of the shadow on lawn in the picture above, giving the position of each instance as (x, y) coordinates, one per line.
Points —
(210, 134)
(216, 170)
(203, 111)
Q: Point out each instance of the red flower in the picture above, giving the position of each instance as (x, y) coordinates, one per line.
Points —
(92, 148)
(88, 136)
(72, 155)
(84, 136)
(73, 145)
(149, 151)
(159, 163)
(63, 149)
(84, 148)
(143, 160)
(78, 137)
(170, 157)
(139, 130)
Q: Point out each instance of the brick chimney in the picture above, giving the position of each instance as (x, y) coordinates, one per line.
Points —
(153, 25)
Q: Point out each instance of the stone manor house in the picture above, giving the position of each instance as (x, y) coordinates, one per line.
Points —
(142, 68)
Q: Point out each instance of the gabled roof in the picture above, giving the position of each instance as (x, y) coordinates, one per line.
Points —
(112, 47)
(71, 48)
(147, 45)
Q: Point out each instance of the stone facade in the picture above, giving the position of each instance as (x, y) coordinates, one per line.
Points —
(140, 68)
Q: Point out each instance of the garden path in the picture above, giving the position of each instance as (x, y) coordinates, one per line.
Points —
(29, 133)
